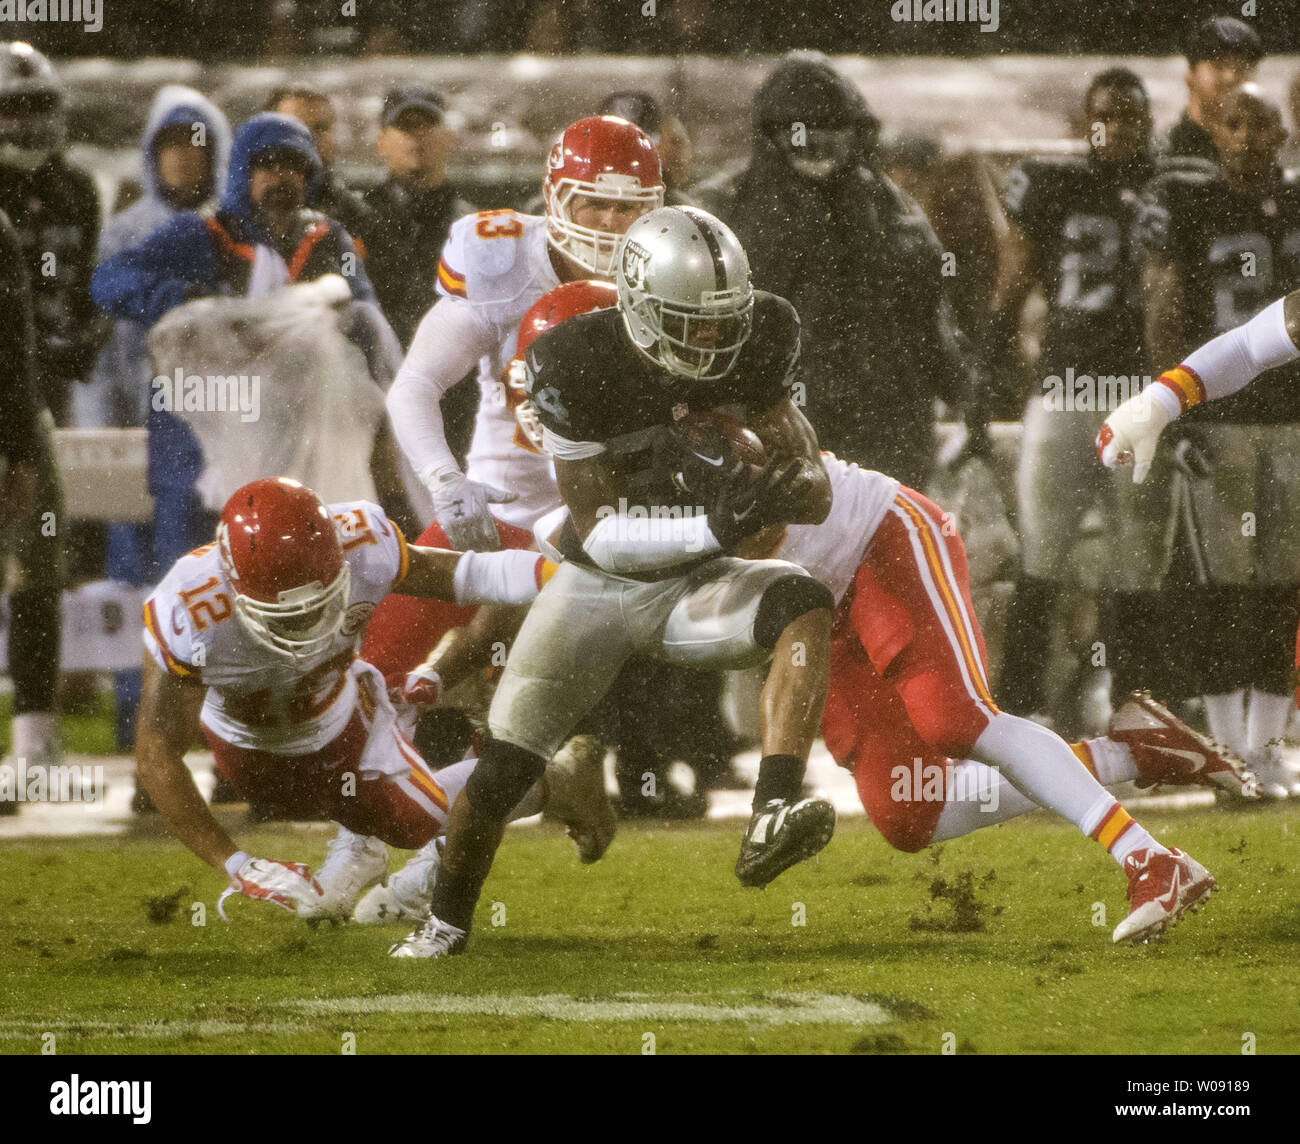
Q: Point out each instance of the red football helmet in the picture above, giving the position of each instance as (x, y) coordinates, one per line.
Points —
(552, 308)
(603, 157)
(283, 558)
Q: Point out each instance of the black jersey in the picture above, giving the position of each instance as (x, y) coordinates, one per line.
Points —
(1234, 254)
(596, 394)
(1080, 218)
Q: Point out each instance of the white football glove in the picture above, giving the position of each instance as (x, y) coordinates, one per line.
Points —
(1131, 433)
(423, 687)
(284, 884)
(461, 506)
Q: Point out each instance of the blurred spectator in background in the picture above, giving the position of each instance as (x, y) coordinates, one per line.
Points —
(183, 156)
(262, 236)
(412, 210)
(1290, 158)
(313, 108)
(31, 499)
(667, 132)
(1222, 53)
(960, 200)
(1070, 232)
(826, 229)
(54, 208)
(1220, 247)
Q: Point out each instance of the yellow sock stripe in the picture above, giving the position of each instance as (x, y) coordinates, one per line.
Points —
(955, 616)
(1084, 755)
(1186, 386)
(1117, 821)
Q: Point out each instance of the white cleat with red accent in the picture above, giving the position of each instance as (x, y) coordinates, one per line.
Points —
(1161, 889)
(1167, 750)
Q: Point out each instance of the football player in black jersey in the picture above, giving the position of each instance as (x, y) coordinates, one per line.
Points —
(1221, 247)
(650, 525)
(1071, 233)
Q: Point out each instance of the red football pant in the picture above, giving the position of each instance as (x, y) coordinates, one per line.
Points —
(405, 629)
(404, 810)
(908, 671)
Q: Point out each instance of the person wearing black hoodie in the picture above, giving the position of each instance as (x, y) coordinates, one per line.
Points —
(825, 228)
(30, 497)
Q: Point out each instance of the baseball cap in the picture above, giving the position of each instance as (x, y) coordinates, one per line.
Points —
(412, 98)
(1224, 36)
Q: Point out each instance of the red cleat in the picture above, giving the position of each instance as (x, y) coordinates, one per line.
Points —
(1161, 888)
(1167, 750)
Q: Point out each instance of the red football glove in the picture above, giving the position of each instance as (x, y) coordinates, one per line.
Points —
(283, 884)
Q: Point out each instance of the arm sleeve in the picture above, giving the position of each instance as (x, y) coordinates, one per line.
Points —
(144, 281)
(447, 346)
(1234, 359)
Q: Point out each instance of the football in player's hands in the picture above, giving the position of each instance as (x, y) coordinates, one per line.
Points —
(709, 446)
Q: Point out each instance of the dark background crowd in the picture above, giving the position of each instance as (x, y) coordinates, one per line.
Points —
(860, 233)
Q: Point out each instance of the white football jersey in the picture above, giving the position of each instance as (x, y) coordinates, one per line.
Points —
(498, 262)
(832, 551)
(255, 698)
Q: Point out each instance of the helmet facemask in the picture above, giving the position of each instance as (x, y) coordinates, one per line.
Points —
(32, 128)
(699, 343)
(303, 621)
(596, 251)
(822, 153)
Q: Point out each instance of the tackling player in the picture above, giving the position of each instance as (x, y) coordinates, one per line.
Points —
(689, 334)
(910, 712)
(260, 630)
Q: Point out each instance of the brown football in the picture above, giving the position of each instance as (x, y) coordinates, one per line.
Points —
(717, 434)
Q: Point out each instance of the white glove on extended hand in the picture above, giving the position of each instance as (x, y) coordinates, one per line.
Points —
(1131, 433)
(461, 506)
(284, 884)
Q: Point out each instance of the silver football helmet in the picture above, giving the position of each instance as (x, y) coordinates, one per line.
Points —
(684, 292)
(32, 123)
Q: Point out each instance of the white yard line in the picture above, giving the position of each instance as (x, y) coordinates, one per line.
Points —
(769, 1009)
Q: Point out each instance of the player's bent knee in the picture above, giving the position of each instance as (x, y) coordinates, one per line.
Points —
(503, 776)
(784, 601)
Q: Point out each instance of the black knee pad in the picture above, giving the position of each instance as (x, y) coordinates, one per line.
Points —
(784, 601)
(502, 777)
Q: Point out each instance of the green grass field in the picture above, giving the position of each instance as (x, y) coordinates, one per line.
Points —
(990, 939)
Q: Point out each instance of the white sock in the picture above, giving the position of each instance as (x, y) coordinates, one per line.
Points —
(1266, 718)
(1041, 765)
(1226, 717)
(1112, 761)
(36, 737)
(989, 799)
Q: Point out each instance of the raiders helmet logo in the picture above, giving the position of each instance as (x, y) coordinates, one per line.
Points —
(635, 260)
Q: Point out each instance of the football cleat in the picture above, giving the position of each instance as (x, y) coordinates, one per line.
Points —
(575, 781)
(353, 863)
(405, 896)
(780, 834)
(1274, 780)
(1167, 750)
(1161, 888)
(433, 939)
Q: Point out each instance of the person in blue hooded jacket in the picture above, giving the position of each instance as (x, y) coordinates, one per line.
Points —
(263, 235)
(184, 151)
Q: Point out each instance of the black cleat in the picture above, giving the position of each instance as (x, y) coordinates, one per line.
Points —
(780, 834)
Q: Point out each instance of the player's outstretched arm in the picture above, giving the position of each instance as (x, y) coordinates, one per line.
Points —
(168, 722)
(1217, 369)
(787, 436)
(513, 576)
